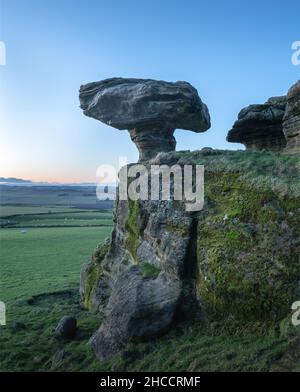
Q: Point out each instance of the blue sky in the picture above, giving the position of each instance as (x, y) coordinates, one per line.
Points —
(234, 52)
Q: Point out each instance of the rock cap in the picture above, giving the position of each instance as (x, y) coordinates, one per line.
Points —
(128, 103)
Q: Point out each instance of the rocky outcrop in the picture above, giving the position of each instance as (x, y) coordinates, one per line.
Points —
(139, 282)
(237, 258)
(151, 110)
(260, 126)
(291, 120)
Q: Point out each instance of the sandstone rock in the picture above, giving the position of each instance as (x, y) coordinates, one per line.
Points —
(151, 110)
(291, 120)
(260, 126)
(139, 308)
(66, 327)
(145, 261)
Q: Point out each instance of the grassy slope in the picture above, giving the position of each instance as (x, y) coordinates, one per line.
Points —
(39, 262)
(188, 347)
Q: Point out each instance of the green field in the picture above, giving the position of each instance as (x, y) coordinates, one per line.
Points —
(44, 259)
(8, 211)
(47, 255)
(60, 219)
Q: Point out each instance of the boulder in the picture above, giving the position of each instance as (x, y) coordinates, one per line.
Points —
(140, 307)
(150, 109)
(66, 328)
(260, 126)
(291, 120)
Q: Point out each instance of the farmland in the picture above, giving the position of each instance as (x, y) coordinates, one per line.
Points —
(42, 247)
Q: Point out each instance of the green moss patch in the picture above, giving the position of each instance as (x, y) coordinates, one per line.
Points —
(131, 226)
(149, 270)
(247, 249)
(94, 271)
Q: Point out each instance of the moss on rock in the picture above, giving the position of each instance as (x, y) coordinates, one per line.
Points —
(149, 270)
(92, 273)
(247, 249)
(131, 226)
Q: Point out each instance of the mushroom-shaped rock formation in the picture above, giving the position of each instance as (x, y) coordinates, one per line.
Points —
(260, 126)
(150, 109)
(291, 120)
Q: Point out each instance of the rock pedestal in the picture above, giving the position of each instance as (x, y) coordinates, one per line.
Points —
(150, 143)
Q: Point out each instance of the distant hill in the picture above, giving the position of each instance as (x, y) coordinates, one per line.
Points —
(13, 180)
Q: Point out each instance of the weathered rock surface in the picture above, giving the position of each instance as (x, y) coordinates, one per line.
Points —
(151, 110)
(139, 281)
(238, 257)
(260, 126)
(291, 120)
(66, 328)
(140, 307)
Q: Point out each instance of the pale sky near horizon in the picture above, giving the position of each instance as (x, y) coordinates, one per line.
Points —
(234, 52)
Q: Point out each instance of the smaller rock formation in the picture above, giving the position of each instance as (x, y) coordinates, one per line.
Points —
(291, 120)
(260, 126)
(66, 328)
(150, 109)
